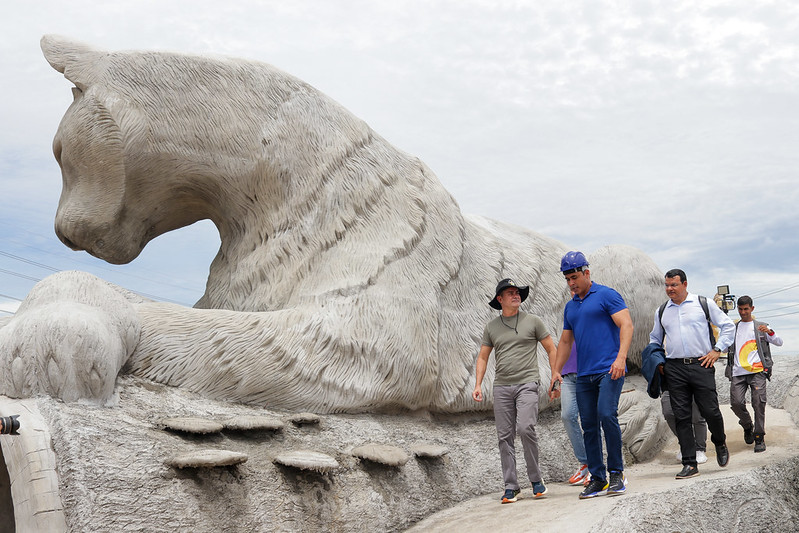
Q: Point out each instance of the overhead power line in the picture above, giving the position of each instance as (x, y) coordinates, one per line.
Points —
(778, 308)
(34, 263)
(781, 314)
(775, 291)
(149, 279)
(17, 274)
(146, 295)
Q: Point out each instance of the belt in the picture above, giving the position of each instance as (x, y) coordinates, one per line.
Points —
(684, 360)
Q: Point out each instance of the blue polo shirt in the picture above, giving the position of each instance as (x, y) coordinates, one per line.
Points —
(595, 333)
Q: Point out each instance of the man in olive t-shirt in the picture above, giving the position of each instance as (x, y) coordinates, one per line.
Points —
(514, 336)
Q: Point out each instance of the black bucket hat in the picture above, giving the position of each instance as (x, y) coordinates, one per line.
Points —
(524, 290)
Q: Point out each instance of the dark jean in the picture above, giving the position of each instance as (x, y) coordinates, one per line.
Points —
(598, 401)
(689, 383)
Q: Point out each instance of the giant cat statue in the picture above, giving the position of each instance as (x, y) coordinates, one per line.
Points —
(347, 279)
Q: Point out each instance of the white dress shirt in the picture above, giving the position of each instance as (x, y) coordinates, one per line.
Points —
(686, 328)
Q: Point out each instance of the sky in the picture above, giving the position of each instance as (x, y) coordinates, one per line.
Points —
(672, 126)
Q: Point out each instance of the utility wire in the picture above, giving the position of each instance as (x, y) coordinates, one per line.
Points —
(778, 308)
(17, 274)
(54, 269)
(146, 295)
(34, 263)
(775, 291)
(75, 260)
(10, 298)
(781, 314)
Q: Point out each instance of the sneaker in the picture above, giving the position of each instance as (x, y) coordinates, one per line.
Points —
(749, 437)
(539, 489)
(509, 496)
(587, 479)
(722, 455)
(617, 484)
(579, 476)
(760, 444)
(687, 472)
(597, 487)
(701, 457)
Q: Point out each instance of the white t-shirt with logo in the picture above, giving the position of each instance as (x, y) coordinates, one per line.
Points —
(747, 360)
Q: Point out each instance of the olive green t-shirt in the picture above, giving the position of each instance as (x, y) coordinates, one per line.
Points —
(515, 353)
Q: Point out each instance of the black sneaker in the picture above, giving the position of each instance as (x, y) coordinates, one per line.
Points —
(596, 487)
(722, 455)
(509, 496)
(749, 437)
(687, 471)
(760, 444)
(617, 484)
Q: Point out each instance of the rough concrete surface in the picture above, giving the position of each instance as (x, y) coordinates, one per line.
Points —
(113, 476)
(755, 492)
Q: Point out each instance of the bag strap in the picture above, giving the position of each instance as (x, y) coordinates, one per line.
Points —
(703, 303)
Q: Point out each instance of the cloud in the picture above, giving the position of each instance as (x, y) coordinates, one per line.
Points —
(671, 126)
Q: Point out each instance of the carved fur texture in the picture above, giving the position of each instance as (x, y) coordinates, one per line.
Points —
(347, 278)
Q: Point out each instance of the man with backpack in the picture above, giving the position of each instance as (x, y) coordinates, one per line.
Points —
(691, 352)
(748, 366)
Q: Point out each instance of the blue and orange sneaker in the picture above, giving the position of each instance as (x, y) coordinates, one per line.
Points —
(509, 496)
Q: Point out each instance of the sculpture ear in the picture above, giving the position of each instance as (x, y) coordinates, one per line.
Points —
(69, 57)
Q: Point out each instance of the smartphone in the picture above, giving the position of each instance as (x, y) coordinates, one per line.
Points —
(555, 386)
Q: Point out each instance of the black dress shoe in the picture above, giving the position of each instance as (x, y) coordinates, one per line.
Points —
(722, 455)
(687, 471)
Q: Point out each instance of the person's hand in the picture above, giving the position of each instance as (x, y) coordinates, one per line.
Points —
(765, 329)
(618, 368)
(660, 369)
(710, 358)
(554, 392)
(477, 394)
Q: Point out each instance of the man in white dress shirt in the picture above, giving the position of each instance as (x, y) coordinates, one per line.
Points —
(691, 352)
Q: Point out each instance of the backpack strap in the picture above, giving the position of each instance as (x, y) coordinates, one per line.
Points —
(703, 303)
(660, 317)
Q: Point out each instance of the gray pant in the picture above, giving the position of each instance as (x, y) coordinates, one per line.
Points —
(700, 426)
(516, 410)
(757, 384)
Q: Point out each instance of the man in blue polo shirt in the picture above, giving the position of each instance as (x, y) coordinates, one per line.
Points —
(598, 320)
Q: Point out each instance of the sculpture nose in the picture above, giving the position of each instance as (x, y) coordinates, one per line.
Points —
(66, 240)
(68, 243)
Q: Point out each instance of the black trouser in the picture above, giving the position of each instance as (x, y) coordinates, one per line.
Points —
(689, 381)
